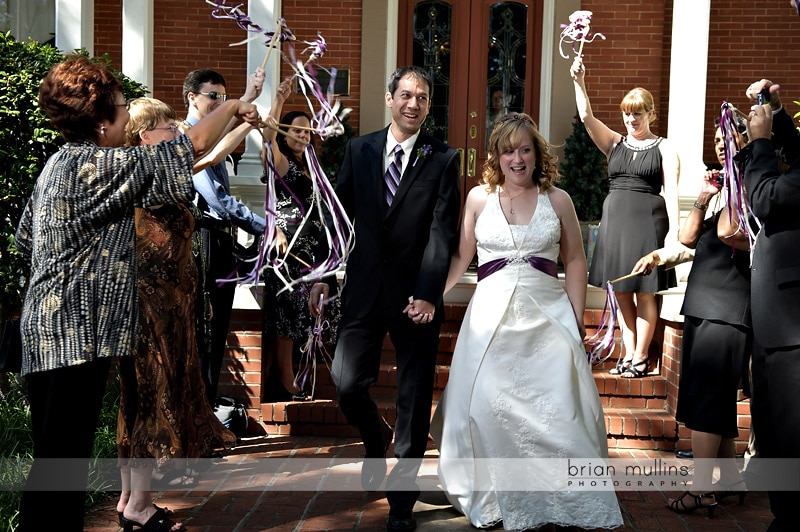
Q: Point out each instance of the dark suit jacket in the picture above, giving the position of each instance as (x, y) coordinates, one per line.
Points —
(776, 259)
(403, 250)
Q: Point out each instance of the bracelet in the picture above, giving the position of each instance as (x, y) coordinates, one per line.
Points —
(700, 206)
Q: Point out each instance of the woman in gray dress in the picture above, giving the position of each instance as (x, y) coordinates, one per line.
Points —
(637, 218)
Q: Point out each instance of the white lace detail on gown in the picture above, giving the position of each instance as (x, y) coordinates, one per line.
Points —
(520, 385)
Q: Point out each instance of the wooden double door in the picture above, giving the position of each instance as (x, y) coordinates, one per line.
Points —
(485, 59)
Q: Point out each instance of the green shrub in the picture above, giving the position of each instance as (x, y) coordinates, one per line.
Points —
(26, 142)
(584, 173)
(16, 449)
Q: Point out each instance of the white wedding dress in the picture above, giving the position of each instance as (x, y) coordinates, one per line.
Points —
(520, 390)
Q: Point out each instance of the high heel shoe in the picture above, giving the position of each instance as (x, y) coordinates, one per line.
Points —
(158, 522)
(620, 368)
(722, 491)
(631, 372)
(164, 509)
(679, 505)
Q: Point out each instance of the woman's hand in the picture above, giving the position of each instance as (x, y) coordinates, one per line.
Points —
(284, 90)
(646, 264)
(710, 183)
(319, 290)
(248, 112)
(282, 242)
(577, 70)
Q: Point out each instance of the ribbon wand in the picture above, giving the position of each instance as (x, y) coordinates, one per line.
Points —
(271, 44)
(629, 276)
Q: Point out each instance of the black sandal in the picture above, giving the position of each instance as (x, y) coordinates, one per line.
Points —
(632, 373)
(620, 368)
(158, 522)
(679, 505)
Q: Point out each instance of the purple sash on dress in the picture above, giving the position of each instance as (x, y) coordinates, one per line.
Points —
(540, 263)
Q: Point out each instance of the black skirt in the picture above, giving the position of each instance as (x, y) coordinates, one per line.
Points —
(713, 361)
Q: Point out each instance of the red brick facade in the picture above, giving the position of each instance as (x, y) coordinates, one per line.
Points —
(747, 41)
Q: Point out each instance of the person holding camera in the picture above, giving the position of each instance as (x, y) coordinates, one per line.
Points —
(775, 199)
(636, 216)
(717, 337)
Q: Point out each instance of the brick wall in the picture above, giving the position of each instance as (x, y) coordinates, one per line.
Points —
(186, 37)
(747, 41)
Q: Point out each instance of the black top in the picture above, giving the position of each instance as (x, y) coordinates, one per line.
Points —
(718, 287)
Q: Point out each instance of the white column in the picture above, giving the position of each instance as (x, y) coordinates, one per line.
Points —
(546, 79)
(137, 41)
(687, 90)
(75, 25)
(264, 13)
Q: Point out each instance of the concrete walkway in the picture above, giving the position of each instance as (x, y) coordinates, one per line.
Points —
(239, 494)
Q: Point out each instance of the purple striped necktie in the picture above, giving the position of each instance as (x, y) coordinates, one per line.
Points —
(392, 176)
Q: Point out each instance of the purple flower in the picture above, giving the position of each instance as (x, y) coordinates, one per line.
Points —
(423, 152)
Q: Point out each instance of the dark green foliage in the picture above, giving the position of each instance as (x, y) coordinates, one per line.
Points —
(332, 153)
(584, 173)
(26, 142)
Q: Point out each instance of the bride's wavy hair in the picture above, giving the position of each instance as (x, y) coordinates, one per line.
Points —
(504, 136)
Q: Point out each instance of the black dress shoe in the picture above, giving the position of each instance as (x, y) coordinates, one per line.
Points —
(373, 471)
(685, 454)
(402, 522)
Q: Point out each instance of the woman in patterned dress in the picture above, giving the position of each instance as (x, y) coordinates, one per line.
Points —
(287, 318)
(163, 414)
(77, 231)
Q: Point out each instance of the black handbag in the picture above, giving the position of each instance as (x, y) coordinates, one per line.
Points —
(11, 347)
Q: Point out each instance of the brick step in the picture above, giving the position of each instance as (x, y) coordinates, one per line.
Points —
(628, 428)
(647, 392)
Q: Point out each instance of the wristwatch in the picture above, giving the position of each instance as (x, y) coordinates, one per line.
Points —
(700, 206)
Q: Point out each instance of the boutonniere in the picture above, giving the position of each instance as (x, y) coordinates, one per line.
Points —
(422, 152)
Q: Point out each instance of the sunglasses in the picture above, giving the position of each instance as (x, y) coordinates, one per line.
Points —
(126, 105)
(215, 95)
(172, 128)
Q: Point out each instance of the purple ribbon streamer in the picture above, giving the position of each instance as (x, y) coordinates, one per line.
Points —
(603, 339)
(540, 263)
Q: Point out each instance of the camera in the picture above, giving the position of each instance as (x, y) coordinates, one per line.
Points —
(763, 96)
(719, 179)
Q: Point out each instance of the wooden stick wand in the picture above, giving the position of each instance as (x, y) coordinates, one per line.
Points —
(271, 44)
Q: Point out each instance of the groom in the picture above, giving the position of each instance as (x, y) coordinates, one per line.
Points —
(405, 205)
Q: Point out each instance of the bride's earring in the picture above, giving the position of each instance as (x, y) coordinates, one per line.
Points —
(102, 129)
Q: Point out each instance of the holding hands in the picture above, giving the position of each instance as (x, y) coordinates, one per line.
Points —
(419, 310)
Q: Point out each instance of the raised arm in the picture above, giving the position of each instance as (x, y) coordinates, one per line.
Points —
(207, 132)
(603, 137)
(224, 147)
(693, 226)
(279, 159)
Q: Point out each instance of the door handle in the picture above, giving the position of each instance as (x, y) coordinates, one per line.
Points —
(461, 160)
(472, 158)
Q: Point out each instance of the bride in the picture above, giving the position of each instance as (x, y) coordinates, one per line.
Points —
(521, 399)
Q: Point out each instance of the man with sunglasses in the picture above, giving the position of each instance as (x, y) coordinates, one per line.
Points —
(203, 91)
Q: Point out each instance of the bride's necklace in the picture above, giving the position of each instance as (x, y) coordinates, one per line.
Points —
(511, 199)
